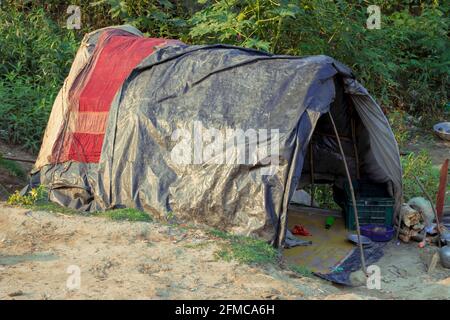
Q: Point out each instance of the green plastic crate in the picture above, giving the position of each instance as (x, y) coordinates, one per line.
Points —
(378, 208)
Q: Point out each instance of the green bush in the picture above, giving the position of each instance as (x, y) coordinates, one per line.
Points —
(31, 198)
(419, 165)
(35, 56)
(405, 64)
(128, 214)
(244, 249)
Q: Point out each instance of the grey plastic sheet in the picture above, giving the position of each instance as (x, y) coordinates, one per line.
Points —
(227, 88)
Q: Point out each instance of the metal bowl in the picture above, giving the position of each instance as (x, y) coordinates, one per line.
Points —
(442, 130)
(364, 240)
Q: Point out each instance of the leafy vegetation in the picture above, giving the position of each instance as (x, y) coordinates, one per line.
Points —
(34, 196)
(405, 64)
(323, 196)
(128, 214)
(52, 207)
(37, 199)
(35, 57)
(301, 270)
(244, 249)
(401, 125)
(419, 165)
(414, 165)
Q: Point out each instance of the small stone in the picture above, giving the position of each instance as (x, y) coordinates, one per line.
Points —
(15, 293)
(358, 278)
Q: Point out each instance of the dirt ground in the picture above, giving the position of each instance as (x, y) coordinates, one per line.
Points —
(122, 260)
(141, 260)
(438, 149)
(150, 260)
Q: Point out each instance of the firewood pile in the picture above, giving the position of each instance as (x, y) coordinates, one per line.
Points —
(417, 218)
(412, 224)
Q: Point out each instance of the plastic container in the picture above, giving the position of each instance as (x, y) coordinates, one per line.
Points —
(374, 205)
(377, 233)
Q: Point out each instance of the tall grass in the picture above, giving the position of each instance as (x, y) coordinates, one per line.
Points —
(35, 56)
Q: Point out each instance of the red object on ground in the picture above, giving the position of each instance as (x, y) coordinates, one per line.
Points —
(300, 230)
(441, 192)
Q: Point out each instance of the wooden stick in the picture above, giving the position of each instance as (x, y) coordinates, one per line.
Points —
(18, 159)
(355, 210)
(440, 199)
(431, 202)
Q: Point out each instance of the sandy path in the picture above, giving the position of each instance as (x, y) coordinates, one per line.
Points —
(140, 260)
(121, 260)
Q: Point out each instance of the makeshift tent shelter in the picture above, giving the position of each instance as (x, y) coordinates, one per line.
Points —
(129, 102)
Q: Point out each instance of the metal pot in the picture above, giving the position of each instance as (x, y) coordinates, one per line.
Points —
(444, 254)
(445, 237)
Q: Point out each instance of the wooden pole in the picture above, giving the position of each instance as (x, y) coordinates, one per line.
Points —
(355, 210)
(432, 207)
(440, 199)
(18, 159)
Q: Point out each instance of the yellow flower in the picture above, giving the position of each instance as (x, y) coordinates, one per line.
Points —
(34, 193)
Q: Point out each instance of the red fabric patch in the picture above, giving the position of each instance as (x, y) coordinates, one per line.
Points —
(119, 55)
(86, 147)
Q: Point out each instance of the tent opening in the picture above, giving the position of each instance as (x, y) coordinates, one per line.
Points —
(321, 210)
